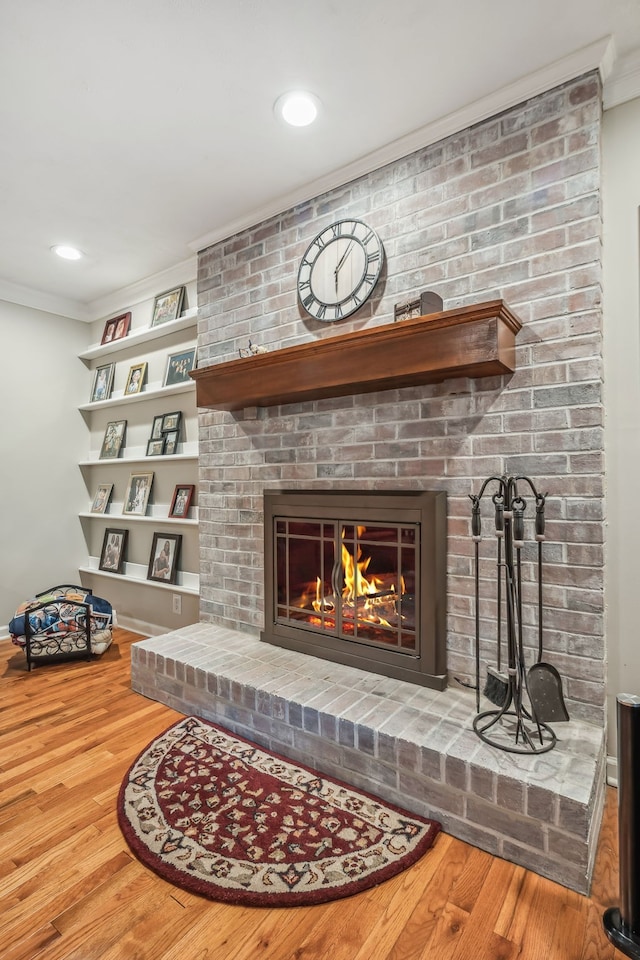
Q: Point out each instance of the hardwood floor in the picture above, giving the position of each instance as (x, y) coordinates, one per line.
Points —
(71, 890)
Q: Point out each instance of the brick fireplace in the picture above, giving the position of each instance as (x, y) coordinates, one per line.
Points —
(509, 209)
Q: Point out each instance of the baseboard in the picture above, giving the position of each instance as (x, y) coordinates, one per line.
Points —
(140, 626)
(612, 771)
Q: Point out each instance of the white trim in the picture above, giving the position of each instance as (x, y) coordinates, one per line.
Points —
(597, 55)
(144, 289)
(47, 302)
(142, 627)
(612, 771)
(624, 82)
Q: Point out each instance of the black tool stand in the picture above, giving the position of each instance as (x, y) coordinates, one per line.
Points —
(622, 924)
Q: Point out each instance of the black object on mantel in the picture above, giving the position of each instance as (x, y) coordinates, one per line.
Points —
(622, 924)
(526, 700)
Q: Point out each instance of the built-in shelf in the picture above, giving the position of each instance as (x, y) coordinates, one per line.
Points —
(152, 393)
(138, 455)
(476, 341)
(119, 516)
(138, 337)
(137, 573)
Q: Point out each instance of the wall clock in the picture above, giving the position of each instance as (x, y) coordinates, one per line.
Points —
(339, 270)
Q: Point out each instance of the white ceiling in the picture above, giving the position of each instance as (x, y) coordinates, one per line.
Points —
(139, 130)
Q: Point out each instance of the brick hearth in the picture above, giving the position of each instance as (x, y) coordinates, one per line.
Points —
(408, 744)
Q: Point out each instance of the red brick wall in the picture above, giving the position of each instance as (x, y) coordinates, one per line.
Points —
(507, 209)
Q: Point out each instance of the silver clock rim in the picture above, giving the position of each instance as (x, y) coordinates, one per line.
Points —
(308, 264)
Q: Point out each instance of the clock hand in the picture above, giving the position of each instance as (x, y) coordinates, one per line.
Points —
(344, 256)
(341, 261)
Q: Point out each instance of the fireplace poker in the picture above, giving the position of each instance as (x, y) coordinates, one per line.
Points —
(476, 536)
(497, 688)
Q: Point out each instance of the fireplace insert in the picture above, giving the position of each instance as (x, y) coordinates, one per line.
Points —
(359, 578)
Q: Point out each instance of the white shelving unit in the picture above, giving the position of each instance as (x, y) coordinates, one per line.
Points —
(152, 344)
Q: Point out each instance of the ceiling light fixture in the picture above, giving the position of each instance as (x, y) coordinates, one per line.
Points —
(297, 108)
(66, 252)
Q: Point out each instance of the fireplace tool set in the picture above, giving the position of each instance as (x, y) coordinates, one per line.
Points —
(526, 699)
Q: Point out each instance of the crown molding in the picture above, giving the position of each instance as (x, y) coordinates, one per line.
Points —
(47, 302)
(118, 300)
(596, 56)
(623, 83)
(145, 289)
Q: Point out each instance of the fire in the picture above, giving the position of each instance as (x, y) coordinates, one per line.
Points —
(355, 582)
(366, 596)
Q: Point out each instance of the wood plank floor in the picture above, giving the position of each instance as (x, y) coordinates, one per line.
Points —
(71, 890)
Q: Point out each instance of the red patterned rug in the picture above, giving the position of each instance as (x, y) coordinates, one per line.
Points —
(222, 817)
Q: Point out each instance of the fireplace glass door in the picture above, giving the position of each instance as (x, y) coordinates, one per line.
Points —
(355, 582)
(359, 578)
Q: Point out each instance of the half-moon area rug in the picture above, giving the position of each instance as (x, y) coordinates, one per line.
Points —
(224, 818)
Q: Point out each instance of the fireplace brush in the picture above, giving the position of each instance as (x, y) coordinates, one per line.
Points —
(541, 684)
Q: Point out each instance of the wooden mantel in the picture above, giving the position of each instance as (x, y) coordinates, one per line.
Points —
(476, 341)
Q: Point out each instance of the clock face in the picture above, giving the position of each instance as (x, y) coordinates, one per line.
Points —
(339, 270)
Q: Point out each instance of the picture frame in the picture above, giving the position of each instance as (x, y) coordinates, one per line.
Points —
(179, 365)
(137, 496)
(171, 440)
(113, 441)
(182, 497)
(155, 447)
(135, 379)
(114, 546)
(172, 421)
(102, 382)
(167, 306)
(156, 429)
(116, 328)
(163, 560)
(101, 498)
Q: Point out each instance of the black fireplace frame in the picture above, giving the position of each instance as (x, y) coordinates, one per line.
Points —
(428, 508)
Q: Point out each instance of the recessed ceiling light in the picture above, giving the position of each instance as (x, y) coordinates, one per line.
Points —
(297, 108)
(66, 252)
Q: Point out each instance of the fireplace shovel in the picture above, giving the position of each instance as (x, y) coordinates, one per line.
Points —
(544, 683)
(545, 692)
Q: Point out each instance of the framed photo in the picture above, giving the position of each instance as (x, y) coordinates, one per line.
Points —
(113, 439)
(102, 382)
(155, 448)
(137, 495)
(182, 496)
(163, 562)
(101, 498)
(117, 328)
(113, 550)
(171, 421)
(167, 306)
(171, 439)
(156, 430)
(135, 379)
(179, 366)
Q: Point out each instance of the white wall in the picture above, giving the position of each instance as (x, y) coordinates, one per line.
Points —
(41, 380)
(621, 206)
